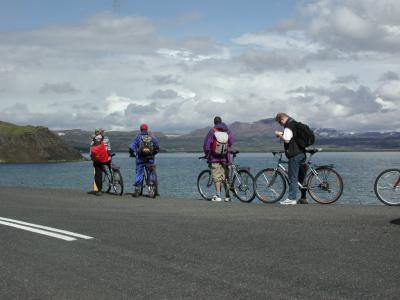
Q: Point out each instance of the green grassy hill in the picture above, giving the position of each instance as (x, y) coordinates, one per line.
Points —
(23, 144)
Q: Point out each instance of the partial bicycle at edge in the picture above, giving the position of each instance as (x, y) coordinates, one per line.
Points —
(387, 187)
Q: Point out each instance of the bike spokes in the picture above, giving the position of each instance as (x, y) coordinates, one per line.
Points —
(270, 185)
(243, 184)
(205, 184)
(387, 187)
(326, 186)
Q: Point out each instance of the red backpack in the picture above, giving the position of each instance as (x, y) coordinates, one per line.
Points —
(99, 153)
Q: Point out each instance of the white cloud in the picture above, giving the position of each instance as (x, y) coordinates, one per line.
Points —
(329, 66)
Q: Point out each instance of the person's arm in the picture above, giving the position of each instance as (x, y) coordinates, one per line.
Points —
(285, 136)
(134, 145)
(208, 143)
(107, 143)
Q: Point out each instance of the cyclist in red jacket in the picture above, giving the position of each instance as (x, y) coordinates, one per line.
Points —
(100, 158)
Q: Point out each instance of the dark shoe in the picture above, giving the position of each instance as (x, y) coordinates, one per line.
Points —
(303, 201)
(98, 193)
(136, 193)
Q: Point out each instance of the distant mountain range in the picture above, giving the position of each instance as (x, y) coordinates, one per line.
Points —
(250, 137)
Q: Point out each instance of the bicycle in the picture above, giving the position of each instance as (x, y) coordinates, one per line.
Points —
(112, 178)
(240, 181)
(149, 182)
(323, 183)
(387, 187)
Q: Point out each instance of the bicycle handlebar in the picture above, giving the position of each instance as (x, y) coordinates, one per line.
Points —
(234, 153)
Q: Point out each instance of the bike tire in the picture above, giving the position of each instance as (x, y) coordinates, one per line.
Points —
(269, 185)
(322, 185)
(117, 186)
(205, 185)
(244, 191)
(388, 180)
(152, 191)
(106, 181)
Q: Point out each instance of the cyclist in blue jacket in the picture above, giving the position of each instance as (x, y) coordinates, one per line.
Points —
(144, 147)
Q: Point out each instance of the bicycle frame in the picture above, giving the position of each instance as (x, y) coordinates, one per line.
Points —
(232, 171)
(310, 166)
(147, 174)
(397, 184)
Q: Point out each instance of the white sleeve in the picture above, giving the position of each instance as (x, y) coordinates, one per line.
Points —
(287, 134)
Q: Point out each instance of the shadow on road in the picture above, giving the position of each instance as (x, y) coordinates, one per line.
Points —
(395, 221)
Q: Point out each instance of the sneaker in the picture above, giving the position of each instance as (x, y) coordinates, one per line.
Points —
(227, 199)
(98, 193)
(303, 201)
(216, 199)
(288, 202)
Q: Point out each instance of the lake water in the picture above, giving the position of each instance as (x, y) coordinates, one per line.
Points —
(178, 173)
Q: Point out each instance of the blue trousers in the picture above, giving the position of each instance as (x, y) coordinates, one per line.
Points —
(293, 172)
(140, 165)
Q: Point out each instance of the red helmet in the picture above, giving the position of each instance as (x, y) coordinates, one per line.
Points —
(144, 127)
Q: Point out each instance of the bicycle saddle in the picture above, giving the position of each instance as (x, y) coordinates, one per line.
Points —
(234, 152)
(112, 154)
(277, 152)
(313, 150)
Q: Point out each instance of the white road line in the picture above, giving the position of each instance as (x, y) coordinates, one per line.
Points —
(48, 233)
(48, 228)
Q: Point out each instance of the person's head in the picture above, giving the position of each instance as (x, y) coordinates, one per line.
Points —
(99, 131)
(217, 120)
(281, 118)
(98, 139)
(143, 127)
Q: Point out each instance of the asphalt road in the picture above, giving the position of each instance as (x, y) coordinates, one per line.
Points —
(175, 249)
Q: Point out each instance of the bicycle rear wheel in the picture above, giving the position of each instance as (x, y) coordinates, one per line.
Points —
(326, 186)
(387, 187)
(243, 186)
(205, 184)
(117, 185)
(152, 190)
(106, 181)
(269, 185)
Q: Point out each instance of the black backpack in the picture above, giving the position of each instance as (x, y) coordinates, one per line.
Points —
(303, 135)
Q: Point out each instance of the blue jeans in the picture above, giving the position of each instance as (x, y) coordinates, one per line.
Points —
(140, 165)
(293, 172)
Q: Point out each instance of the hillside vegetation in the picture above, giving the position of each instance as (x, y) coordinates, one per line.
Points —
(23, 144)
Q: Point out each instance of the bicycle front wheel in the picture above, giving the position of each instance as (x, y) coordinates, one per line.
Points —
(325, 186)
(269, 185)
(205, 184)
(152, 190)
(107, 181)
(387, 187)
(243, 186)
(117, 186)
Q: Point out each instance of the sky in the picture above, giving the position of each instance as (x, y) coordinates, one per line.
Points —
(175, 64)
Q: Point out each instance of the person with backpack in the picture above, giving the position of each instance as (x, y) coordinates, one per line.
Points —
(144, 147)
(216, 147)
(296, 137)
(100, 158)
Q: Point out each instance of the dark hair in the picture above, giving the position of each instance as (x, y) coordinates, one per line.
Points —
(217, 120)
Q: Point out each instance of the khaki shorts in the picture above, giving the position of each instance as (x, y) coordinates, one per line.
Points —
(218, 172)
